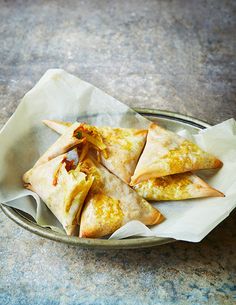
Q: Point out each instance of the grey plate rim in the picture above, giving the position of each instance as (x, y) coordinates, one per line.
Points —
(140, 242)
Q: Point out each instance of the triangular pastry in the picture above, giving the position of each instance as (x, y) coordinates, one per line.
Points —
(77, 134)
(63, 188)
(123, 147)
(175, 187)
(167, 153)
(111, 203)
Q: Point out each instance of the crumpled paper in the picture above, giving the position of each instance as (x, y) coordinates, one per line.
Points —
(62, 96)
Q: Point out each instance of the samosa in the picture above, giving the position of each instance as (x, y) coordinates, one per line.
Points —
(175, 187)
(78, 134)
(63, 188)
(111, 203)
(167, 153)
(123, 147)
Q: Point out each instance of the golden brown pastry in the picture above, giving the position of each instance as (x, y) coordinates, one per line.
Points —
(111, 203)
(166, 153)
(63, 188)
(123, 147)
(175, 187)
(78, 134)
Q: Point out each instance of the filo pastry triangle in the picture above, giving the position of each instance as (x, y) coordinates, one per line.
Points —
(167, 153)
(123, 147)
(63, 188)
(111, 203)
(78, 134)
(175, 187)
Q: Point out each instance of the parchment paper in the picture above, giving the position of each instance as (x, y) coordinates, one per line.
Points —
(62, 96)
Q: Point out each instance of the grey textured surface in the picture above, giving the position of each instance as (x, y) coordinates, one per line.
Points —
(173, 55)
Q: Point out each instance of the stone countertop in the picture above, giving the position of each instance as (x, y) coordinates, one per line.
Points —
(171, 55)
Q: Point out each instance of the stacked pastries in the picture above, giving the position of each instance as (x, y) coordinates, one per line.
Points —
(99, 178)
